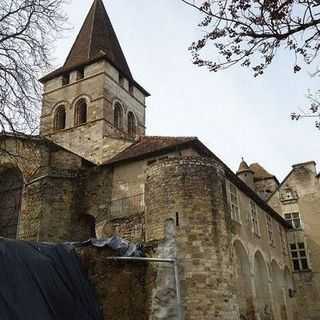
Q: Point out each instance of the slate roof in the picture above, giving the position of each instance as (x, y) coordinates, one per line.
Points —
(147, 145)
(96, 40)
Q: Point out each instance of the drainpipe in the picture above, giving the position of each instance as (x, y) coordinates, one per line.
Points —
(158, 260)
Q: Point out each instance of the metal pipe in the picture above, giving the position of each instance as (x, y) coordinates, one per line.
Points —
(159, 260)
(142, 259)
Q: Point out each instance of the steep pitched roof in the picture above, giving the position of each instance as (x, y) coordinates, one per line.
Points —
(96, 39)
(147, 145)
(260, 173)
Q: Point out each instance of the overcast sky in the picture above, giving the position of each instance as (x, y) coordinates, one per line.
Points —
(233, 113)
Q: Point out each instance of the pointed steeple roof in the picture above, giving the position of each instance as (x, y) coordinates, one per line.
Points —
(243, 167)
(97, 39)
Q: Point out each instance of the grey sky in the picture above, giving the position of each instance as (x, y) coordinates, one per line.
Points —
(233, 113)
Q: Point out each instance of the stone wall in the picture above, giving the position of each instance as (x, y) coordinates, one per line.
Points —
(95, 196)
(50, 189)
(307, 286)
(49, 208)
(11, 184)
(130, 228)
(191, 191)
(123, 288)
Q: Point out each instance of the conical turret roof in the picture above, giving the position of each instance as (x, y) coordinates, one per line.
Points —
(243, 167)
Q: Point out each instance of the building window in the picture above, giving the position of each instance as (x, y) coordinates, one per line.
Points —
(254, 218)
(131, 124)
(118, 116)
(65, 79)
(234, 203)
(270, 229)
(299, 256)
(131, 89)
(81, 112)
(121, 80)
(80, 73)
(294, 219)
(60, 118)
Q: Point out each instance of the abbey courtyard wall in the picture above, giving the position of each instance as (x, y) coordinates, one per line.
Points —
(191, 193)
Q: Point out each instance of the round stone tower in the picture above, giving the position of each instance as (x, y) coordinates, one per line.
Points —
(191, 191)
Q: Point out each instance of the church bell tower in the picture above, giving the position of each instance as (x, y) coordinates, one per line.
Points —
(92, 105)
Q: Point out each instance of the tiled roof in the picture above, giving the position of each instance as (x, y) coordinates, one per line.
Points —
(96, 40)
(148, 145)
(260, 172)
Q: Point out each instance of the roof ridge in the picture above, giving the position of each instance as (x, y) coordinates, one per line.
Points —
(97, 35)
(94, 8)
(170, 137)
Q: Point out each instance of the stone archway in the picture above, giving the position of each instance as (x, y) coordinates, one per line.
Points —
(11, 185)
(277, 291)
(263, 299)
(243, 282)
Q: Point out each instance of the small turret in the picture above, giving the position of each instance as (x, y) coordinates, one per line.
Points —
(246, 174)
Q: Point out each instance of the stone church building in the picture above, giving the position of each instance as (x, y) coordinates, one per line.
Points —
(246, 246)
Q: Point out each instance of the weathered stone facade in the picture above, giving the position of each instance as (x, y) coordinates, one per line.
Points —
(94, 172)
(298, 200)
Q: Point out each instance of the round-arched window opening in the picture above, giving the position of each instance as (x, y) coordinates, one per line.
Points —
(118, 116)
(131, 124)
(81, 112)
(60, 118)
(10, 201)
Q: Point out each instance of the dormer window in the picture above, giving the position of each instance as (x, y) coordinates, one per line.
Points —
(60, 118)
(65, 79)
(81, 112)
(288, 195)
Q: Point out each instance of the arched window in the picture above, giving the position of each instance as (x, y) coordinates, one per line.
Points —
(131, 124)
(81, 112)
(60, 118)
(118, 116)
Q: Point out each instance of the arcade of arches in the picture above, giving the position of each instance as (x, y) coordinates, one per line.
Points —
(261, 294)
(11, 185)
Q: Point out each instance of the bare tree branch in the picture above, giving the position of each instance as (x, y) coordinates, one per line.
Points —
(250, 32)
(27, 30)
